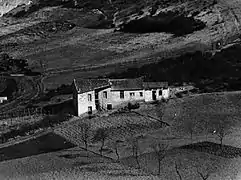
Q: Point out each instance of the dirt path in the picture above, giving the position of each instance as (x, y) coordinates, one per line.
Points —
(24, 98)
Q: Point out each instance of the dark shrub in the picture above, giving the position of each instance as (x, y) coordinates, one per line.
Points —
(179, 95)
(133, 106)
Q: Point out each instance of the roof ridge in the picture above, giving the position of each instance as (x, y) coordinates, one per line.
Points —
(125, 78)
(92, 78)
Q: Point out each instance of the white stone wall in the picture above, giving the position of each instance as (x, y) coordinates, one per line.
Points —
(166, 93)
(157, 94)
(116, 100)
(83, 102)
(148, 94)
(113, 98)
(104, 101)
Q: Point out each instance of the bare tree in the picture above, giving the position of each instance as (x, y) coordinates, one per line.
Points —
(85, 130)
(221, 127)
(134, 142)
(203, 175)
(116, 148)
(190, 127)
(206, 126)
(160, 151)
(101, 135)
(177, 169)
(43, 65)
(206, 168)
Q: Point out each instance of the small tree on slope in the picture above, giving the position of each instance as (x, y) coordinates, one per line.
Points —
(160, 150)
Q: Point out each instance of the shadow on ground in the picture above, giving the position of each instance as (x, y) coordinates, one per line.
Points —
(215, 149)
(43, 144)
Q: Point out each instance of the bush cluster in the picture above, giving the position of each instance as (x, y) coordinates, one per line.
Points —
(131, 106)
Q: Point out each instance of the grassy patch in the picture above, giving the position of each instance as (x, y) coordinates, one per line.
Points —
(188, 161)
(201, 112)
(43, 144)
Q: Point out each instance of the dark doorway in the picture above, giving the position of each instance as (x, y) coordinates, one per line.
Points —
(109, 106)
(154, 95)
(90, 110)
(97, 103)
(96, 96)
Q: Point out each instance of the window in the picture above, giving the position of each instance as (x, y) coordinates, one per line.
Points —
(122, 94)
(160, 92)
(132, 94)
(141, 94)
(105, 94)
(89, 97)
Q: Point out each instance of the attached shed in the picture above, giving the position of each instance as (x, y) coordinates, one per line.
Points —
(156, 91)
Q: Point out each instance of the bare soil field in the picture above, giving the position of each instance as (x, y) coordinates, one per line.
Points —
(198, 109)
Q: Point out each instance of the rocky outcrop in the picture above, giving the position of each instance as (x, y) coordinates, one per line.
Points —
(160, 15)
(8, 5)
(16, 7)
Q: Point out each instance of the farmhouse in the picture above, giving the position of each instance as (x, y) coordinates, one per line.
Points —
(3, 99)
(104, 94)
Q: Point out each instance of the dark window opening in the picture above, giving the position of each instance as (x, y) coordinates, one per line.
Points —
(160, 92)
(109, 106)
(89, 97)
(154, 95)
(90, 110)
(141, 94)
(105, 94)
(122, 94)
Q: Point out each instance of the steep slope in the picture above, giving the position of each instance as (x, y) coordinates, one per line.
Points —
(8, 5)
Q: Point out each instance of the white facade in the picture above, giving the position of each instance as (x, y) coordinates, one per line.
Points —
(85, 102)
(166, 93)
(156, 94)
(103, 98)
(133, 95)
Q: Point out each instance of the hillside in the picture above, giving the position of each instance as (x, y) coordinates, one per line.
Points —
(69, 36)
(8, 5)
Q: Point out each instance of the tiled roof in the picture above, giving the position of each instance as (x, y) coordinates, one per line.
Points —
(126, 84)
(86, 85)
(153, 85)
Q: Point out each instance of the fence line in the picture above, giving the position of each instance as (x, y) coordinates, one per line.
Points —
(21, 113)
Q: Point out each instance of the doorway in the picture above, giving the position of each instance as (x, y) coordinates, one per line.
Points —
(90, 110)
(109, 106)
(154, 95)
(97, 103)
